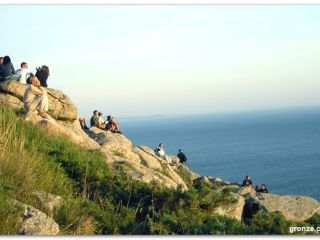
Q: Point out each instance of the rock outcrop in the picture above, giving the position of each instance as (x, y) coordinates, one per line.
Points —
(294, 208)
(61, 106)
(139, 162)
(234, 209)
(35, 222)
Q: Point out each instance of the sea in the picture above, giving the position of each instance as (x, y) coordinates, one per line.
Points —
(280, 148)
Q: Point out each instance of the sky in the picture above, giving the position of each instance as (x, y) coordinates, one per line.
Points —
(140, 60)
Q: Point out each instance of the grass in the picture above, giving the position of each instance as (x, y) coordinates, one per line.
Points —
(98, 201)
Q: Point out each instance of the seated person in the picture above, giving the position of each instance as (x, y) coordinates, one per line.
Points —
(182, 157)
(83, 123)
(101, 119)
(6, 70)
(112, 125)
(159, 151)
(35, 98)
(94, 121)
(263, 189)
(247, 182)
(21, 74)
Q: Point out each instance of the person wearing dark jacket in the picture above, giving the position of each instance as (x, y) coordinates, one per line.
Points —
(42, 74)
(247, 182)
(182, 157)
(6, 70)
(263, 189)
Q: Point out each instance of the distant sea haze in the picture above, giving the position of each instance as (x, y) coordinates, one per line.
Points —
(280, 148)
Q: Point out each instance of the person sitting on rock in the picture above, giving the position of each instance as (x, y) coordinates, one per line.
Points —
(247, 182)
(263, 189)
(42, 74)
(182, 157)
(112, 125)
(35, 98)
(159, 151)
(83, 123)
(94, 121)
(101, 119)
(21, 74)
(6, 70)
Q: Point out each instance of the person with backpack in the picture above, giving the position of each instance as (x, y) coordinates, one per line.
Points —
(42, 74)
(182, 157)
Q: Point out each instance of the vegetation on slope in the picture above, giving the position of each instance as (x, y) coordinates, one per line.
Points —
(97, 201)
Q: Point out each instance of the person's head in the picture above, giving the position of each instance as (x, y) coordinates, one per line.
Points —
(1, 60)
(263, 186)
(6, 60)
(247, 177)
(180, 150)
(100, 114)
(44, 69)
(24, 65)
(161, 145)
(95, 112)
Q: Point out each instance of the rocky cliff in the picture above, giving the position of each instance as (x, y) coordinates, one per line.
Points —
(140, 162)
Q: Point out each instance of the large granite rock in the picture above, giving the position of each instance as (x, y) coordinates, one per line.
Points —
(148, 157)
(35, 222)
(294, 208)
(234, 209)
(72, 130)
(60, 105)
(139, 162)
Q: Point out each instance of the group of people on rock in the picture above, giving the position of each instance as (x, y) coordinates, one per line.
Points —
(35, 96)
(97, 120)
(159, 151)
(247, 183)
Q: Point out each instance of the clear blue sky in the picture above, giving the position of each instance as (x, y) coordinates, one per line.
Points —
(144, 60)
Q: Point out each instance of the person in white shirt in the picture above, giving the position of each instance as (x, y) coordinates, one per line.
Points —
(101, 119)
(160, 151)
(21, 74)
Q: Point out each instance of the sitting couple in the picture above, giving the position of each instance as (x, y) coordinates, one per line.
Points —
(98, 121)
(35, 98)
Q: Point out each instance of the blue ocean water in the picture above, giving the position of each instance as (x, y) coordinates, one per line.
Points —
(280, 148)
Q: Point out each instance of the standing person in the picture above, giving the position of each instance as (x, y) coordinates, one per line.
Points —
(21, 74)
(42, 74)
(7, 70)
(35, 98)
(182, 157)
(247, 182)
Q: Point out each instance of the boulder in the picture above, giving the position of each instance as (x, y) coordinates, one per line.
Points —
(35, 222)
(60, 105)
(294, 208)
(12, 101)
(148, 157)
(247, 191)
(233, 210)
(72, 130)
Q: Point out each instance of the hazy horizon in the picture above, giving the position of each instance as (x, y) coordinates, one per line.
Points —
(142, 60)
